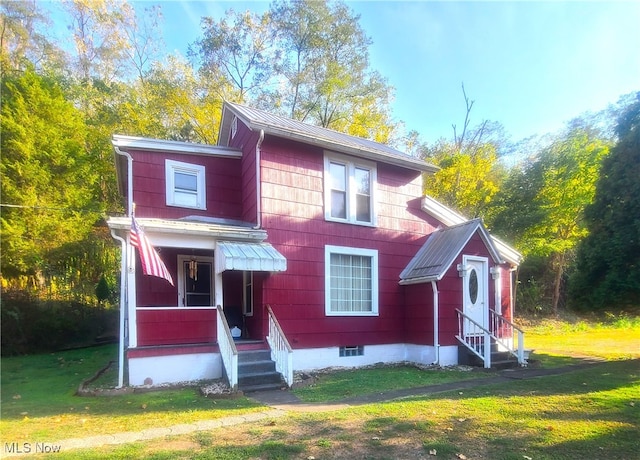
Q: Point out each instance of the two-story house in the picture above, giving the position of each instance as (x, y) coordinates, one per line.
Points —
(313, 245)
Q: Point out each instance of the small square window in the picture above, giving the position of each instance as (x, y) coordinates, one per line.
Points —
(351, 351)
(185, 185)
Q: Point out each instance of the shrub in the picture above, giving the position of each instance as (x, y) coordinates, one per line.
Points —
(34, 326)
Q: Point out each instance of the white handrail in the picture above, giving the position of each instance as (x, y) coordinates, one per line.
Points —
(228, 349)
(502, 330)
(281, 351)
(475, 337)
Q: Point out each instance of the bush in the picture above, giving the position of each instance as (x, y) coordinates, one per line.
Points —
(35, 326)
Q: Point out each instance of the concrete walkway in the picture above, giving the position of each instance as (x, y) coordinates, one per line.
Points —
(282, 402)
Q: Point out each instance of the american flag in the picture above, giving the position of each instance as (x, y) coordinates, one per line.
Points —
(152, 264)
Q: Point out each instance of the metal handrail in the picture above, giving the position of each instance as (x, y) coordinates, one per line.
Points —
(228, 349)
(281, 351)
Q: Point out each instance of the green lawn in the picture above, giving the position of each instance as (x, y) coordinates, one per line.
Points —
(38, 401)
(589, 413)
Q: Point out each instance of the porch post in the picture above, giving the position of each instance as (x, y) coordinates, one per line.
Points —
(131, 295)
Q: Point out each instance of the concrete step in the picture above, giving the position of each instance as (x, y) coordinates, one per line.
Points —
(253, 367)
(250, 356)
(257, 371)
(263, 387)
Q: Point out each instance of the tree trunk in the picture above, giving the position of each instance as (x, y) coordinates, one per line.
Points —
(555, 300)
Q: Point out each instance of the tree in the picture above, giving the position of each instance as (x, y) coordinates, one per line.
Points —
(326, 70)
(608, 259)
(542, 205)
(470, 173)
(22, 41)
(239, 48)
(316, 74)
(48, 181)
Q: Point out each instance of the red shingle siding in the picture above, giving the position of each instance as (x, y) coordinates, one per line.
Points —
(293, 215)
(222, 180)
(175, 326)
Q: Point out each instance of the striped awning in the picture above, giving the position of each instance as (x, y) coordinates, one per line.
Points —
(258, 257)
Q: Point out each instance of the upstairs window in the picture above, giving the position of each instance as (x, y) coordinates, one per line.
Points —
(349, 190)
(185, 185)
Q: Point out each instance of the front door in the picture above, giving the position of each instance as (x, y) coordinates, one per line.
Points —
(475, 293)
(195, 285)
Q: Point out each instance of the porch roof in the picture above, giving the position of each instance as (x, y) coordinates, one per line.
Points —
(231, 255)
(434, 258)
(192, 232)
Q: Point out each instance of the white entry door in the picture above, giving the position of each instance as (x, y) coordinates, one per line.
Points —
(475, 287)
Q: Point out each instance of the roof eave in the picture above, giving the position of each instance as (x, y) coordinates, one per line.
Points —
(127, 143)
(408, 163)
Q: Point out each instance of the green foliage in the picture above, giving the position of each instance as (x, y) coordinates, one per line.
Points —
(541, 206)
(103, 291)
(48, 178)
(30, 325)
(467, 180)
(608, 263)
(288, 59)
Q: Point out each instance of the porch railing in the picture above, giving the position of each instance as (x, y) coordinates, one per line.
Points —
(475, 337)
(281, 351)
(228, 349)
(478, 339)
(505, 334)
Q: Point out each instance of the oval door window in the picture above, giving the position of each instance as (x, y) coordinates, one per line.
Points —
(473, 286)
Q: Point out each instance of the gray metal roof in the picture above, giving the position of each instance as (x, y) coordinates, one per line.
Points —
(440, 250)
(316, 135)
(234, 255)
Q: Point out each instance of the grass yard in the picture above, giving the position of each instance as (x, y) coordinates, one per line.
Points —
(593, 413)
(617, 337)
(38, 401)
(590, 413)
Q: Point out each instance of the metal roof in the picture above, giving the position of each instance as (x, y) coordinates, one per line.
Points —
(450, 217)
(440, 250)
(249, 257)
(316, 135)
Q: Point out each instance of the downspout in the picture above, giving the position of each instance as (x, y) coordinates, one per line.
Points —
(123, 300)
(436, 321)
(124, 304)
(259, 182)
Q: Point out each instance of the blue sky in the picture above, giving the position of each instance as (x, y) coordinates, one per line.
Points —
(531, 66)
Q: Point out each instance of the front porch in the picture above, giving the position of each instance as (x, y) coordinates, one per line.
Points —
(180, 332)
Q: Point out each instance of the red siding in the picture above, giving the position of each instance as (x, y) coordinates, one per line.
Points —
(247, 140)
(175, 326)
(419, 314)
(293, 215)
(222, 180)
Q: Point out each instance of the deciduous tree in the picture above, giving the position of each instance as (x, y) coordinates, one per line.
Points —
(607, 273)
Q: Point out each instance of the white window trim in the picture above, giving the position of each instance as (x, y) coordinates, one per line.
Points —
(170, 168)
(351, 164)
(247, 293)
(181, 278)
(373, 253)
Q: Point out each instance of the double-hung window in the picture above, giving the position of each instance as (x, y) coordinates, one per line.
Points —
(185, 185)
(351, 281)
(349, 190)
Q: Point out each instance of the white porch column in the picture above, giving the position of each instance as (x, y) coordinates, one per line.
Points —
(131, 295)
